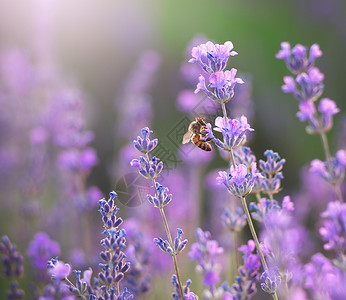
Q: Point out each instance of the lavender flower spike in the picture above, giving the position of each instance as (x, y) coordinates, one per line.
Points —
(296, 59)
(245, 283)
(143, 143)
(161, 198)
(239, 181)
(233, 132)
(221, 85)
(187, 294)
(12, 261)
(178, 244)
(332, 170)
(333, 230)
(212, 57)
(205, 252)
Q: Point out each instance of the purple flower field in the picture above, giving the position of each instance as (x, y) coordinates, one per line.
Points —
(115, 196)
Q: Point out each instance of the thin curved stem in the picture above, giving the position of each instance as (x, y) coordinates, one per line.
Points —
(327, 154)
(224, 111)
(253, 232)
(325, 145)
(165, 223)
(254, 236)
(71, 284)
(164, 219)
(232, 158)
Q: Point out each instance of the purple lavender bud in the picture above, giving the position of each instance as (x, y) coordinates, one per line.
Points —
(137, 145)
(60, 270)
(135, 163)
(151, 173)
(119, 277)
(187, 294)
(159, 167)
(161, 198)
(272, 165)
(152, 145)
(151, 199)
(272, 280)
(179, 245)
(341, 157)
(327, 108)
(289, 85)
(105, 256)
(144, 144)
(307, 112)
(118, 222)
(164, 245)
(146, 132)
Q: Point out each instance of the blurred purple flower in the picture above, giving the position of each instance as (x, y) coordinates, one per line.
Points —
(41, 249)
(332, 170)
(333, 231)
(205, 251)
(59, 270)
(296, 59)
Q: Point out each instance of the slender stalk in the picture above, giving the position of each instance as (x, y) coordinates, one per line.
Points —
(253, 232)
(118, 289)
(325, 145)
(232, 158)
(338, 192)
(165, 223)
(224, 111)
(327, 154)
(71, 284)
(254, 236)
(164, 219)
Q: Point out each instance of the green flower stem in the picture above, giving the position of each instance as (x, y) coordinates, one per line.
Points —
(164, 219)
(71, 284)
(223, 105)
(233, 159)
(165, 223)
(254, 236)
(325, 144)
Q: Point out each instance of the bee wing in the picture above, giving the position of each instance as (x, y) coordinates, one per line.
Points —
(187, 137)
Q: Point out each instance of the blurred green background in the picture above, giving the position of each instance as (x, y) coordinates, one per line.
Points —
(96, 44)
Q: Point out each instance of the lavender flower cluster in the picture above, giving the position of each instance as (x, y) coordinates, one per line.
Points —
(146, 256)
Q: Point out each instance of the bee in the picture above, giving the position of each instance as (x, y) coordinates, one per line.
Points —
(196, 132)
